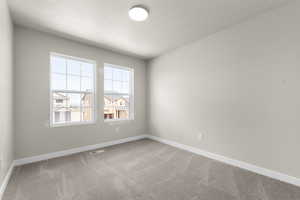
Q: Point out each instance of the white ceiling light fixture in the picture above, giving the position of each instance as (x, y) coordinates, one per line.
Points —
(138, 13)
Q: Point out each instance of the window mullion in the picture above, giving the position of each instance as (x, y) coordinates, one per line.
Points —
(66, 74)
(81, 108)
(80, 94)
(80, 73)
(72, 91)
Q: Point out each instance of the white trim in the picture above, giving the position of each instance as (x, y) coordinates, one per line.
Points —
(117, 120)
(47, 156)
(73, 57)
(118, 66)
(250, 167)
(73, 91)
(131, 91)
(63, 124)
(6, 179)
(131, 103)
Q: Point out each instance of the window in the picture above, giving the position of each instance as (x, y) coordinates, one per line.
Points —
(118, 92)
(72, 90)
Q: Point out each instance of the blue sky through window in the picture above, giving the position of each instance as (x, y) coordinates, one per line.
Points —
(116, 80)
(73, 75)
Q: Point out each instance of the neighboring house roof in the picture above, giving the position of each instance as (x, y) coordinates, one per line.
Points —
(120, 98)
(60, 95)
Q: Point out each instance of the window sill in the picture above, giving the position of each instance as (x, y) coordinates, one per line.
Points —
(72, 124)
(117, 121)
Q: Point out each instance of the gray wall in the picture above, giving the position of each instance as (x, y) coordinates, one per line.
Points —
(239, 88)
(33, 135)
(6, 86)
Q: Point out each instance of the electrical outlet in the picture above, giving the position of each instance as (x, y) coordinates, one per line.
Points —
(117, 129)
(200, 136)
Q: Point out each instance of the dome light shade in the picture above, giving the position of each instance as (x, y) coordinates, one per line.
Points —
(138, 13)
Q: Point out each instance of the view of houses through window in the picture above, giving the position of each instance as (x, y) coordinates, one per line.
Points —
(72, 90)
(65, 110)
(118, 92)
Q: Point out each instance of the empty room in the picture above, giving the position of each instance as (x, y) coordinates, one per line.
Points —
(149, 100)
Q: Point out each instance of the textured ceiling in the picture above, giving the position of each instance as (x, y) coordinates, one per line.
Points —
(105, 23)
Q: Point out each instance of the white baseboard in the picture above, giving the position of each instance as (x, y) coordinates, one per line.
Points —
(33, 159)
(6, 180)
(230, 161)
(250, 167)
(47, 156)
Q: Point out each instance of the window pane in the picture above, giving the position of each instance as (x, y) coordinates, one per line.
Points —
(56, 116)
(74, 83)
(59, 115)
(67, 114)
(58, 82)
(117, 75)
(117, 86)
(87, 100)
(108, 86)
(86, 84)
(108, 107)
(58, 65)
(73, 67)
(77, 77)
(117, 92)
(126, 76)
(74, 114)
(59, 100)
(107, 73)
(125, 87)
(87, 114)
(73, 100)
(116, 107)
(72, 107)
(87, 69)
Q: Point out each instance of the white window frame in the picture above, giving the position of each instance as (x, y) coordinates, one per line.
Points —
(131, 92)
(94, 115)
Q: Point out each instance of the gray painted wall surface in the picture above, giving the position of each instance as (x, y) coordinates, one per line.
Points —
(33, 135)
(239, 88)
(6, 87)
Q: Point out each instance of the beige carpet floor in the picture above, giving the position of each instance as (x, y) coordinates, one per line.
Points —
(141, 170)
